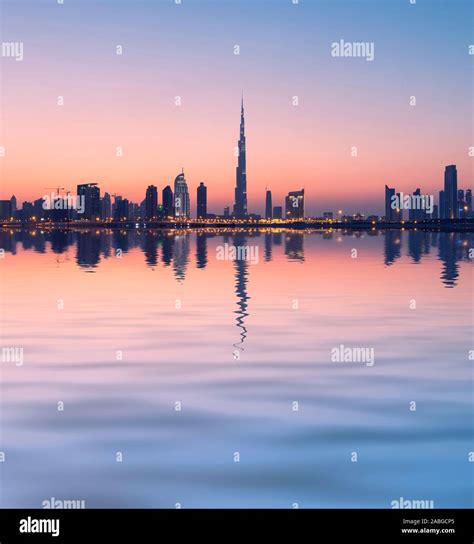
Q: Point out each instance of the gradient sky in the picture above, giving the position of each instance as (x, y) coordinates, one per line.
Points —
(187, 50)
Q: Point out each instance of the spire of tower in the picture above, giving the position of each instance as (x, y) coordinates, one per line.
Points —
(242, 104)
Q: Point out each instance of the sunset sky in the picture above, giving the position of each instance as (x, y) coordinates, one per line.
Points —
(187, 50)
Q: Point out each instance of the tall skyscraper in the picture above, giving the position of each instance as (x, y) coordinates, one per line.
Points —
(389, 212)
(167, 199)
(106, 207)
(181, 197)
(451, 191)
(240, 206)
(91, 194)
(13, 201)
(268, 205)
(151, 202)
(442, 205)
(201, 209)
(294, 205)
(5, 209)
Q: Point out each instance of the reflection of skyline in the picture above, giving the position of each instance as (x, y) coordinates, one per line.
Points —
(172, 248)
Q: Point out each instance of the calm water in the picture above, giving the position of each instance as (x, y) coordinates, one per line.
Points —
(124, 328)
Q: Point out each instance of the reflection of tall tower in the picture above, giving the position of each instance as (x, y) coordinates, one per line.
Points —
(447, 254)
(181, 256)
(393, 245)
(294, 248)
(201, 250)
(150, 248)
(240, 206)
(241, 279)
(268, 246)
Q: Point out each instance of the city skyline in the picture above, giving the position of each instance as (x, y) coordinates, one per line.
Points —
(452, 203)
(301, 128)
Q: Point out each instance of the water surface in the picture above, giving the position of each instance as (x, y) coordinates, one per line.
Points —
(123, 328)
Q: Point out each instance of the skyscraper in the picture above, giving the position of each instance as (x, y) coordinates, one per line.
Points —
(389, 211)
(268, 205)
(451, 192)
(240, 206)
(201, 210)
(469, 200)
(277, 212)
(106, 208)
(442, 205)
(151, 202)
(167, 199)
(91, 194)
(181, 197)
(294, 205)
(5, 209)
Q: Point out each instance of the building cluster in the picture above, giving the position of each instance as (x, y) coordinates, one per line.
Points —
(89, 205)
(453, 203)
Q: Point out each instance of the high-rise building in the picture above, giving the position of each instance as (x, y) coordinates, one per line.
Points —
(398, 212)
(121, 209)
(240, 206)
(151, 202)
(268, 205)
(181, 197)
(5, 209)
(451, 192)
(469, 200)
(442, 207)
(294, 205)
(461, 204)
(226, 211)
(277, 212)
(201, 209)
(13, 202)
(416, 214)
(91, 194)
(390, 213)
(167, 200)
(106, 207)
(27, 211)
(39, 211)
